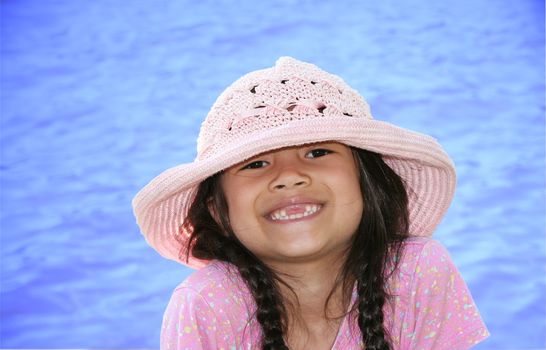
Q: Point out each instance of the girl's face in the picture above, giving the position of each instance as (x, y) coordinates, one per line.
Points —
(296, 204)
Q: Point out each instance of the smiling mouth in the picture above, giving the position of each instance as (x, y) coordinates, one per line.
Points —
(294, 212)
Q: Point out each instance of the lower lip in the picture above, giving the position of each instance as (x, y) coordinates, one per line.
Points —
(303, 218)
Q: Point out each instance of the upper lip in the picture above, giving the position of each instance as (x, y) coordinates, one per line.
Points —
(287, 201)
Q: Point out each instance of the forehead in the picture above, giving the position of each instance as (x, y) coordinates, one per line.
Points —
(297, 147)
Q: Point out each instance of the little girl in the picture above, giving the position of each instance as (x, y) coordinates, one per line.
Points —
(309, 224)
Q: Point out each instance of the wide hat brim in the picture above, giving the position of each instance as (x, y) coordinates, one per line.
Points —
(425, 168)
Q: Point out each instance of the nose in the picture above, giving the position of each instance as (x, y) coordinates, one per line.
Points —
(290, 175)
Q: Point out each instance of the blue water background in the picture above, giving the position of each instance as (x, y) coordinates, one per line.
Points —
(98, 97)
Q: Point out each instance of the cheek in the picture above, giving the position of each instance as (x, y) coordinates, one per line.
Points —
(244, 225)
(237, 216)
(241, 209)
(350, 195)
(345, 180)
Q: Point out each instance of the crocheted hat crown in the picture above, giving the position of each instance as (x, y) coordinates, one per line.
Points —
(269, 98)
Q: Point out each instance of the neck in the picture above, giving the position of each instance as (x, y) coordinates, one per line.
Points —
(312, 281)
(312, 323)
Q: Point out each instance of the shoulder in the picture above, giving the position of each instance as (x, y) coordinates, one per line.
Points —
(210, 309)
(423, 260)
(217, 283)
(423, 245)
(433, 302)
(217, 274)
(417, 251)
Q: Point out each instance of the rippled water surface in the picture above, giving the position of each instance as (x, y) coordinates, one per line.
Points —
(98, 97)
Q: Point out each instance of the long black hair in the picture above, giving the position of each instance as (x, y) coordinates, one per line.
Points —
(371, 259)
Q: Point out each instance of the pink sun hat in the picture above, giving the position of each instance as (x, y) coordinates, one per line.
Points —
(292, 103)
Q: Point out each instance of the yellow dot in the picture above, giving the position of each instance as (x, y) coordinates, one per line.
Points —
(187, 329)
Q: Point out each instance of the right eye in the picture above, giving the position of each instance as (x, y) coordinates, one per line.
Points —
(318, 152)
(255, 165)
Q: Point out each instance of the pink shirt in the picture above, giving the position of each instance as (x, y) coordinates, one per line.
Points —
(432, 309)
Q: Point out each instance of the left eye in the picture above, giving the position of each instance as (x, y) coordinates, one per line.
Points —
(319, 152)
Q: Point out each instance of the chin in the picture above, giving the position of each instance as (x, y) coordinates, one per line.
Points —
(298, 253)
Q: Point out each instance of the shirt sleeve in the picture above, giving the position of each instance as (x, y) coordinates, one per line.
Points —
(441, 313)
(190, 322)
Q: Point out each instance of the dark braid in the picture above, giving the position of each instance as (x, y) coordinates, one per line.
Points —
(211, 244)
(370, 313)
(269, 305)
(370, 262)
(385, 197)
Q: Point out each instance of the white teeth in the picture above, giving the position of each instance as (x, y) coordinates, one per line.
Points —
(281, 214)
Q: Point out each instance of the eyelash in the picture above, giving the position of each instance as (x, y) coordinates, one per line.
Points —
(252, 165)
(327, 151)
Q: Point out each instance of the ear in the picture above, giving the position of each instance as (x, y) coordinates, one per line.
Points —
(213, 212)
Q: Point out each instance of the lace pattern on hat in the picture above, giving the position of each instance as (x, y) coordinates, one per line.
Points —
(274, 97)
